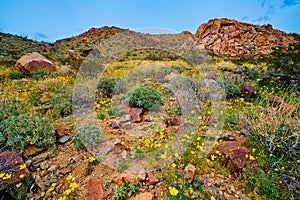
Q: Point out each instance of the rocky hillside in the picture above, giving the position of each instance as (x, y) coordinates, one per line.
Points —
(221, 37)
(227, 37)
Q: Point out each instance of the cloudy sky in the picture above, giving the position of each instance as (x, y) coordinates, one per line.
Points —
(49, 20)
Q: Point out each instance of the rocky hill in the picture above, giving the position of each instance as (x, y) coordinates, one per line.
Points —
(221, 37)
(225, 37)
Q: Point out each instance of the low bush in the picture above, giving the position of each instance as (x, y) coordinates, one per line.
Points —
(87, 136)
(144, 97)
(21, 131)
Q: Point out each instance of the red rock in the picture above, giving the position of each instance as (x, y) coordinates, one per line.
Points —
(176, 121)
(114, 125)
(242, 141)
(248, 91)
(62, 131)
(94, 188)
(189, 172)
(136, 114)
(143, 196)
(10, 163)
(237, 152)
(31, 61)
(79, 157)
(225, 37)
(125, 177)
(150, 179)
(147, 118)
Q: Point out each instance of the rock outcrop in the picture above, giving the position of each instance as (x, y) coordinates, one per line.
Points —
(32, 61)
(225, 37)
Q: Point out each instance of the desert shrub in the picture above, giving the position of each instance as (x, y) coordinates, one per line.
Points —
(144, 97)
(231, 89)
(18, 132)
(106, 86)
(87, 136)
(276, 131)
(61, 105)
(11, 107)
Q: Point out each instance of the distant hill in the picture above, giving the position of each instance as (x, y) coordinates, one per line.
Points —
(220, 37)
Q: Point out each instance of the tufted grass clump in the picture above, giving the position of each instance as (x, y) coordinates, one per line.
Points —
(87, 136)
(18, 132)
(144, 97)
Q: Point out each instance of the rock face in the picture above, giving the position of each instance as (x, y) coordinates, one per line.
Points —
(31, 61)
(225, 37)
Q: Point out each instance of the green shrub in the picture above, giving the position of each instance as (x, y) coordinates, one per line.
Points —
(11, 107)
(144, 97)
(106, 86)
(18, 132)
(87, 136)
(231, 89)
(61, 105)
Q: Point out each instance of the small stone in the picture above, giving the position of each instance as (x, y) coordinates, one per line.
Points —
(150, 179)
(124, 154)
(79, 157)
(124, 177)
(95, 190)
(189, 172)
(147, 118)
(64, 139)
(45, 165)
(40, 182)
(52, 168)
(136, 114)
(143, 196)
(114, 125)
(65, 171)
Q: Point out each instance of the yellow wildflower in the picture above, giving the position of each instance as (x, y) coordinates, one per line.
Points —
(62, 198)
(212, 198)
(251, 158)
(173, 191)
(18, 185)
(22, 176)
(69, 177)
(193, 152)
(50, 189)
(92, 159)
(7, 176)
(213, 157)
(163, 156)
(2, 175)
(173, 165)
(73, 186)
(22, 166)
(67, 192)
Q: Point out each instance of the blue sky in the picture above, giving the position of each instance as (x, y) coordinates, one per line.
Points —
(49, 20)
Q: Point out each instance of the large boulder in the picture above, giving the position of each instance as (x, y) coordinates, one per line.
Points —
(32, 61)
